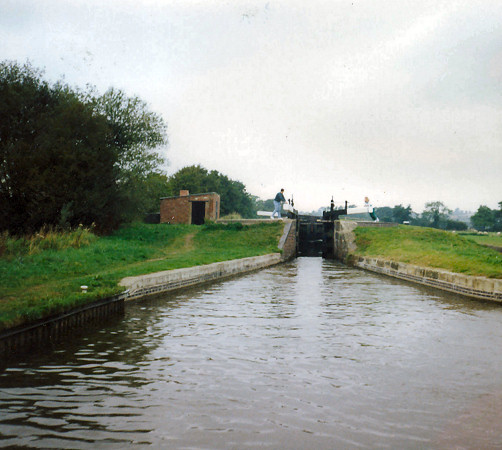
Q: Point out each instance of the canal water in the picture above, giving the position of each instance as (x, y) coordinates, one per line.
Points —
(308, 354)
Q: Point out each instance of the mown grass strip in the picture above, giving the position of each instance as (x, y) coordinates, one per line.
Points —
(429, 247)
(36, 284)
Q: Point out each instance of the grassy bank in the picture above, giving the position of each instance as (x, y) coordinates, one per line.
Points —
(42, 275)
(431, 248)
(493, 239)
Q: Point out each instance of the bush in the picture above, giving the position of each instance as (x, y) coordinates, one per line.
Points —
(456, 225)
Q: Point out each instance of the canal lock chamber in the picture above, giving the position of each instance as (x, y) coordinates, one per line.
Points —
(315, 237)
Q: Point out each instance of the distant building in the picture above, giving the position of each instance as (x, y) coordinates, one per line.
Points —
(462, 216)
(190, 208)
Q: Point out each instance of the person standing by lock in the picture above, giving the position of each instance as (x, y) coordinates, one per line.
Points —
(278, 201)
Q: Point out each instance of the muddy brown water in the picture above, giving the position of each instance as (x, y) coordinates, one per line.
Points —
(308, 354)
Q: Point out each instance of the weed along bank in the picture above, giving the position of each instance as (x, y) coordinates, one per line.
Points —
(191, 209)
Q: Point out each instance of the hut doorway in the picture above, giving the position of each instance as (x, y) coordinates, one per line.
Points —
(198, 213)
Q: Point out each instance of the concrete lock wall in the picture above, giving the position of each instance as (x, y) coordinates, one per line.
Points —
(289, 239)
(345, 239)
(470, 286)
(170, 280)
(475, 287)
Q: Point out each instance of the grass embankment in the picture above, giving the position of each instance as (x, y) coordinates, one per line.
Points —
(431, 248)
(42, 276)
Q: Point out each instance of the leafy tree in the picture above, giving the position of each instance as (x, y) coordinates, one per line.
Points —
(57, 159)
(234, 198)
(197, 179)
(419, 221)
(137, 132)
(401, 214)
(67, 157)
(397, 214)
(384, 213)
(484, 218)
(192, 178)
(435, 214)
(263, 205)
(154, 187)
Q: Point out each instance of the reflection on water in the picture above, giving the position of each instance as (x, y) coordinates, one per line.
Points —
(310, 354)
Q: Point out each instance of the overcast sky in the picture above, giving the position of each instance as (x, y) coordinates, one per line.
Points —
(400, 101)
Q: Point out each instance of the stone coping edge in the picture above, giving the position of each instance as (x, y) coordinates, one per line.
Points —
(169, 280)
(471, 286)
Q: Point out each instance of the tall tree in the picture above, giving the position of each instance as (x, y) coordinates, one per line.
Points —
(436, 214)
(137, 133)
(57, 159)
(484, 218)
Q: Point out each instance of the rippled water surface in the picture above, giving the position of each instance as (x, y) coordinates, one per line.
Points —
(310, 354)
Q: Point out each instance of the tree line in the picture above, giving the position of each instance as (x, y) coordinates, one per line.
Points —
(438, 215)
(70, 156)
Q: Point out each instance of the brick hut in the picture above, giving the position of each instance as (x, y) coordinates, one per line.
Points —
(190, 208)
